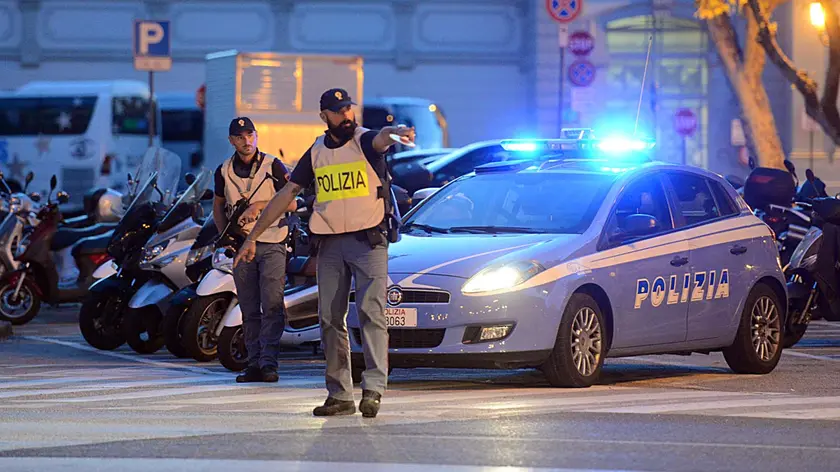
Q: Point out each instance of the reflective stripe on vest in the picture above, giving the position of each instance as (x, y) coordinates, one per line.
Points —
(346, 196)
(237, 187)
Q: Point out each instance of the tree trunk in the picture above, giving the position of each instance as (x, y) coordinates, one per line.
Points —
(824, 111)
(745, 77)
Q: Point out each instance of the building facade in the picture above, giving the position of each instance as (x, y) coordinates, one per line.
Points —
(492, 66)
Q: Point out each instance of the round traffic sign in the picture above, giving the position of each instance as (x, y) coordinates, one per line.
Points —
(582, 73)
(200, 96)
(685, 121)
(563, 11)
(581, 43)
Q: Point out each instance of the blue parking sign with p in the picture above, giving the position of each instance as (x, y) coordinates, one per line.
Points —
(152, 45)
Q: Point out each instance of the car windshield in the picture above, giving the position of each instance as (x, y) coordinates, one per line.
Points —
(546, 202)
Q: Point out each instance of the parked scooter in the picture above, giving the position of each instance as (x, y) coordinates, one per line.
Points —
(807, 285)
(37, 279)
(164, 259)
(100, 318)
(215, 294)
(19, 216)
(199, 263)
(301, 301)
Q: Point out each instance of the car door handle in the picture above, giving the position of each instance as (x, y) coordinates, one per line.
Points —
(679, 261)
(738, 250)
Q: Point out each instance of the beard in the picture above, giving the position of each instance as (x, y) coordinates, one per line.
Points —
(343, 130)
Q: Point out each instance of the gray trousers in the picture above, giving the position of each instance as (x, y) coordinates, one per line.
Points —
(259, 286)
(341, 257)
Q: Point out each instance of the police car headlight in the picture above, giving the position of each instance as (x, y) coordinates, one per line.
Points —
(222, 261)
(502, 277)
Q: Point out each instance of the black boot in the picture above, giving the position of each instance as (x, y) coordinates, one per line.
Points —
(269, 374)
(333, 407)
(251, 374)
(369, 406)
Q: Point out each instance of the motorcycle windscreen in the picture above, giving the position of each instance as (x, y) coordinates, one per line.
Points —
(159, 167)
(185, 205)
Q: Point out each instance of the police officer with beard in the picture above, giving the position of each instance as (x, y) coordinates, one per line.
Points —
(350, 217)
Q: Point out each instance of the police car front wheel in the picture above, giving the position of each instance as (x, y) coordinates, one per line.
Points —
(758, 343)
(580, 347)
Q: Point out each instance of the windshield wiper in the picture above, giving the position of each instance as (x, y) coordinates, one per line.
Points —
(427, 228)
(494, 229)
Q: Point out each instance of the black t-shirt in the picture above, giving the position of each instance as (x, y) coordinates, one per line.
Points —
(243, 171)
(304, 175)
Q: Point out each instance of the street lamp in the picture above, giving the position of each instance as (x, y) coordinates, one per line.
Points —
(818, 20)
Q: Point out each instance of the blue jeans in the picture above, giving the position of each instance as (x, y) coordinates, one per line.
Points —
(259, 287)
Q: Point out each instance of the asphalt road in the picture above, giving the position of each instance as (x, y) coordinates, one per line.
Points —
(66, 406)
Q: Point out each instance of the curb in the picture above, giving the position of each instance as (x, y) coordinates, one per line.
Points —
(5, 330)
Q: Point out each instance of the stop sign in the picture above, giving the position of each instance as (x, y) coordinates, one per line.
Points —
(685, 121)
(581, 43)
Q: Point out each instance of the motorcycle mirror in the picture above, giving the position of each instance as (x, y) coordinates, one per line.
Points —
(53, 182)
(29, 177)
(62, 197)
(207, 195)
(189, 178)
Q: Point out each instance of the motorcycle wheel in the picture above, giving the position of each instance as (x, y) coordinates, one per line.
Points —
(141, 328)
(172, 324)
(21, 309)
(794, 331)
(199, 326)
(232, 352)
(100, 321)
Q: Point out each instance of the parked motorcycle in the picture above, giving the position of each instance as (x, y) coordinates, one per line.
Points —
(164, 259)
(215, 294)
(806, 291)
(37, 279)
(151, 194)
(301, 301)
(199, 263)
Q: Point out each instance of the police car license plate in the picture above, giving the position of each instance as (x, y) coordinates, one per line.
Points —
(401, 317)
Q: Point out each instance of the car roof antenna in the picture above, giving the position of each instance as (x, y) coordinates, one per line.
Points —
(642, 92)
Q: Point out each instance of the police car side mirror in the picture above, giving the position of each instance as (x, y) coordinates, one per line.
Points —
(423, 193)
(639, 225)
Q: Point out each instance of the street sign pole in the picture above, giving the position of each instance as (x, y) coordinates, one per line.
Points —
(152, 53)
(151, 109)
(563, 12)
(563, 40)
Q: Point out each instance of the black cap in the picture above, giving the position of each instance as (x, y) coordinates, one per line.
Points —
(335, 99)
(240, 124)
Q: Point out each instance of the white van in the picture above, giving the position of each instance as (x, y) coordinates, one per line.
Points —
(182, 127)
(88, 133)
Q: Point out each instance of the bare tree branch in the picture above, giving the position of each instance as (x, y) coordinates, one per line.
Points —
(830, 122)
(832, 72)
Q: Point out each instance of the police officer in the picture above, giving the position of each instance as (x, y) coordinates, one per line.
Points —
(261, 280)
(350, 212)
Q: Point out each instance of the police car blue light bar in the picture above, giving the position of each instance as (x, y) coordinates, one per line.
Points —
(622, 144)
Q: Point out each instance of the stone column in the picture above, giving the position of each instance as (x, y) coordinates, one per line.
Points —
(282, 24)
(404, 56)
(30, 50)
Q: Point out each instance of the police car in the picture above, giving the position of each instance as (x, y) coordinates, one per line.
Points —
(581, 250)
